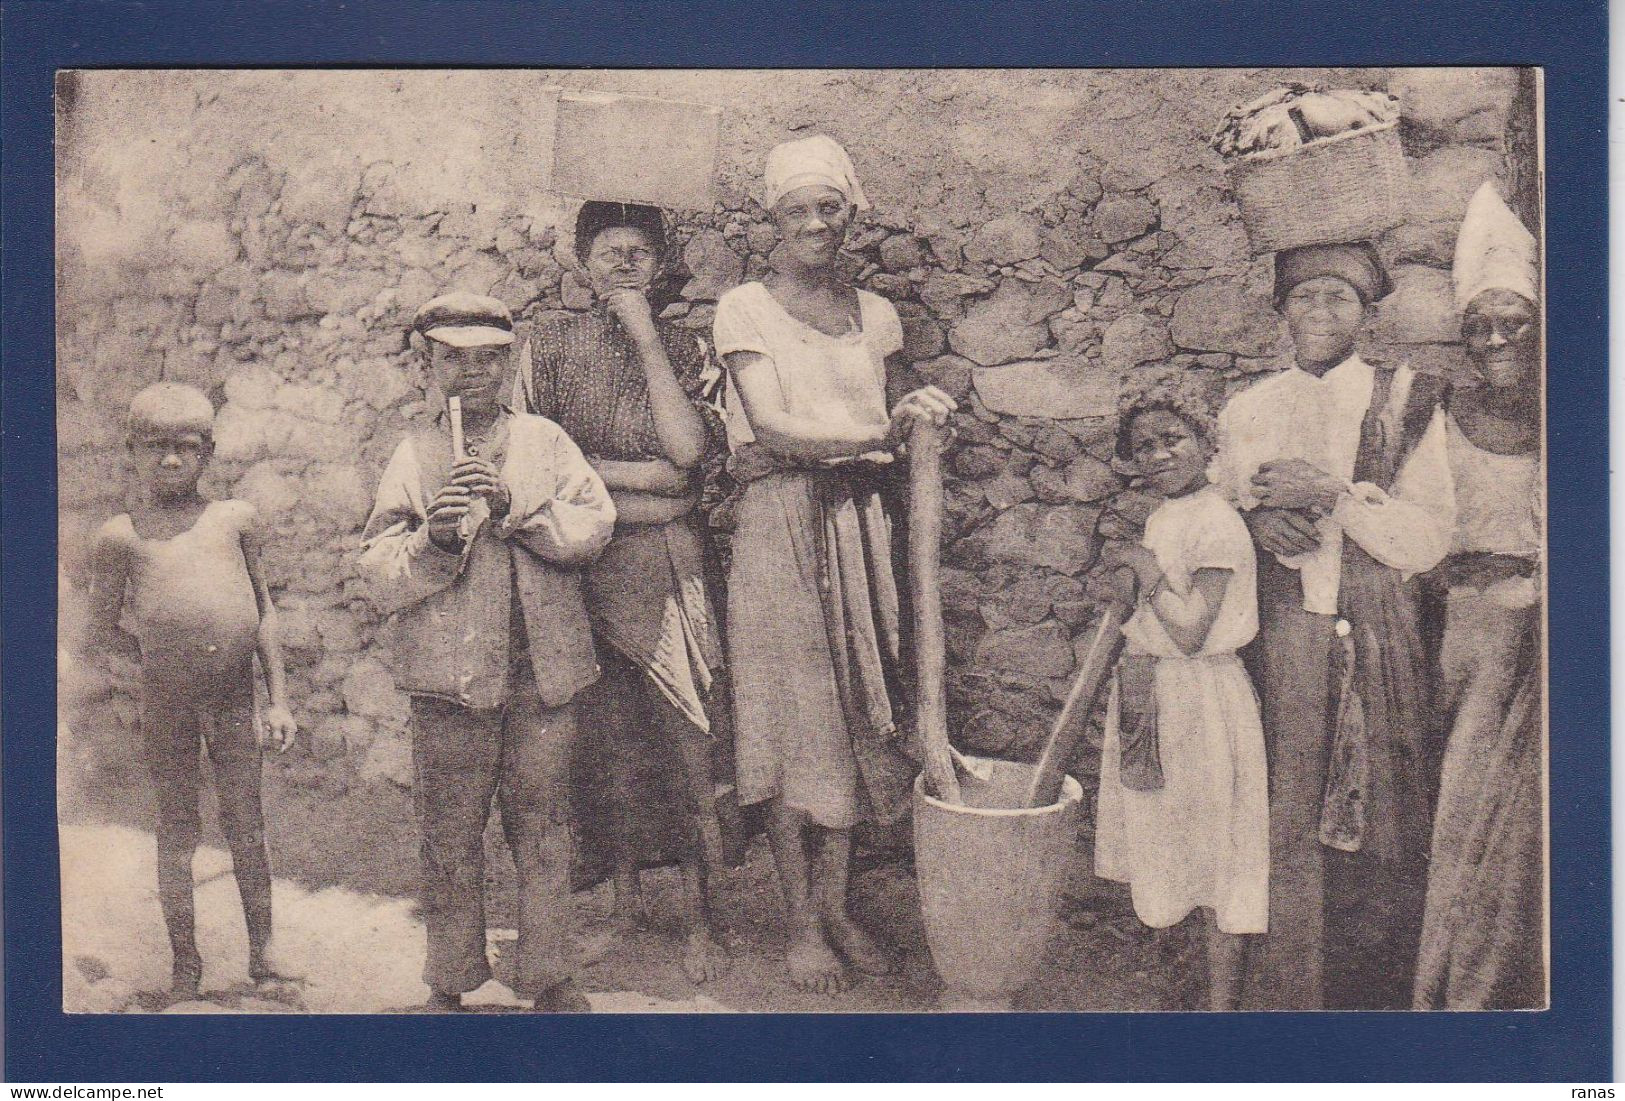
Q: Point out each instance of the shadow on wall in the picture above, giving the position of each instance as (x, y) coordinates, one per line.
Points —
(1044, 235)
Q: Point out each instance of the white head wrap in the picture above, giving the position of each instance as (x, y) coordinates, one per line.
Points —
(1494, 251)
(815, 160)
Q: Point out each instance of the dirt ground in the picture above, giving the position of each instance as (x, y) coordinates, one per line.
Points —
(346, 871)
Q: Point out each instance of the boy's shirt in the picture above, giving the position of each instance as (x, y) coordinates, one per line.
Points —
(451, 614)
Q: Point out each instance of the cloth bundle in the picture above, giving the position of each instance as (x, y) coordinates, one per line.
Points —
(1297, 114)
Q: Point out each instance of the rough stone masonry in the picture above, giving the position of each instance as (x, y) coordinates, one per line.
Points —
(1045, 235)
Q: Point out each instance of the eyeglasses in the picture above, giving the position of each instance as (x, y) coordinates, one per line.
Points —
(639, 256)
(1479, 327)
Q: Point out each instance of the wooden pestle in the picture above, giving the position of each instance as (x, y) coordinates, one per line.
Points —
(1067, 731)
(930, 650)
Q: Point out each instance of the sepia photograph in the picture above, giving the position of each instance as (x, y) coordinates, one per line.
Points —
(801, 540)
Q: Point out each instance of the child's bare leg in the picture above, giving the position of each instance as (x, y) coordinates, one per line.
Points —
(860, 949)
(703, 957)
(812, 964)
(236, 758)
(1226, 965)
(169, 736)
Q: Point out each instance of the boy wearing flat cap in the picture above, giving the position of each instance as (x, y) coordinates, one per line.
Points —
(472, 549)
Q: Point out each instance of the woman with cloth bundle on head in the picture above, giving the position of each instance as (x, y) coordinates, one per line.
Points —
(812, 603)
(1340, 469)
(1483, 944)
(627, 389)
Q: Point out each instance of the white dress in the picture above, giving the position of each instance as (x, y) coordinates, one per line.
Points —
(1203, 838)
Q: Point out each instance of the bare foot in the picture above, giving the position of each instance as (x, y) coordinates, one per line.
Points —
(813, 965)
(703, 958)
(440, 1001)
(861, 950)
(563, 998)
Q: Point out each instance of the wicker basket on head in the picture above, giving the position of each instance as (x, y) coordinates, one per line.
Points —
(1348, 187)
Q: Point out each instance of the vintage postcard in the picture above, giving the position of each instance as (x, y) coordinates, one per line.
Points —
(822, 541)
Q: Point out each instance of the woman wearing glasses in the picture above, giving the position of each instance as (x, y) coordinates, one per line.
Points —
(628, 389)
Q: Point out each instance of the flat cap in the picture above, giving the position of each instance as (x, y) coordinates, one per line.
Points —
(464, 320)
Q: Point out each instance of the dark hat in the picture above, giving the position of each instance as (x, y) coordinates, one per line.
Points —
(464, 320)
(1355, 263)
(594, 217)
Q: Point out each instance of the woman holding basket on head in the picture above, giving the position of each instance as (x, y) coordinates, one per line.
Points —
(812, 604)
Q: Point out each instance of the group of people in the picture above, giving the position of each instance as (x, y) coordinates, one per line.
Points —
(535, 549)
(1363, 544)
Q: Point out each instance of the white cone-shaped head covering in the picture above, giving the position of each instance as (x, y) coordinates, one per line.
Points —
(815, 160)
(1494, 251)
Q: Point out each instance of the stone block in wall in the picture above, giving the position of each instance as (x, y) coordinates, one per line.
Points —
(1421, 309)
(388, 759)
(1001, 327)
(346, 291)
(1123, 216)
(923, 337)
(900, 252)
(369, 689)
(1443, 182)
(1134, 339)
(337, 495)
(283, 295)
(1057, 537)
(1041, 650)
(296, 626)
(1008, 239)
(272, 492)
(479, 273)
(945, 292)
(1440, 99)
(319, 192)
(1027, 601)
(1071, 244)
(239, 434)
(374, 380)
(332, 736)
(202, 246)
(1064, 387)
(317, 403)
(1419, 243)
(713, 266)
(1222, 315)
(1005, 489)
(949, 373)
(1085, 479)
(574, 292)
(83, 426)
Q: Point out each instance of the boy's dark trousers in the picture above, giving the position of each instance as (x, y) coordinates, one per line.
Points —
(172, 723)
(461, 758)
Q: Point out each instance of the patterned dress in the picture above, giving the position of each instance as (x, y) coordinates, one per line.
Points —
(646, 594)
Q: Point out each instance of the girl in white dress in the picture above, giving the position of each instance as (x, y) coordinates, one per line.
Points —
(1183, 813)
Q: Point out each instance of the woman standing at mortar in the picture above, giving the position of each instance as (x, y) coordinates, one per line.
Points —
(812, 604)
(1483, 943)
(627, 389)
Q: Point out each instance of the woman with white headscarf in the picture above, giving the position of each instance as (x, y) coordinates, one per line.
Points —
(812, 604)
(1483, 934)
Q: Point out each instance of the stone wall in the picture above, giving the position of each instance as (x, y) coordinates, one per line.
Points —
(1045, 235)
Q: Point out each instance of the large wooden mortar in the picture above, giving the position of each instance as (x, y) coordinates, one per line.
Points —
(990, 875)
